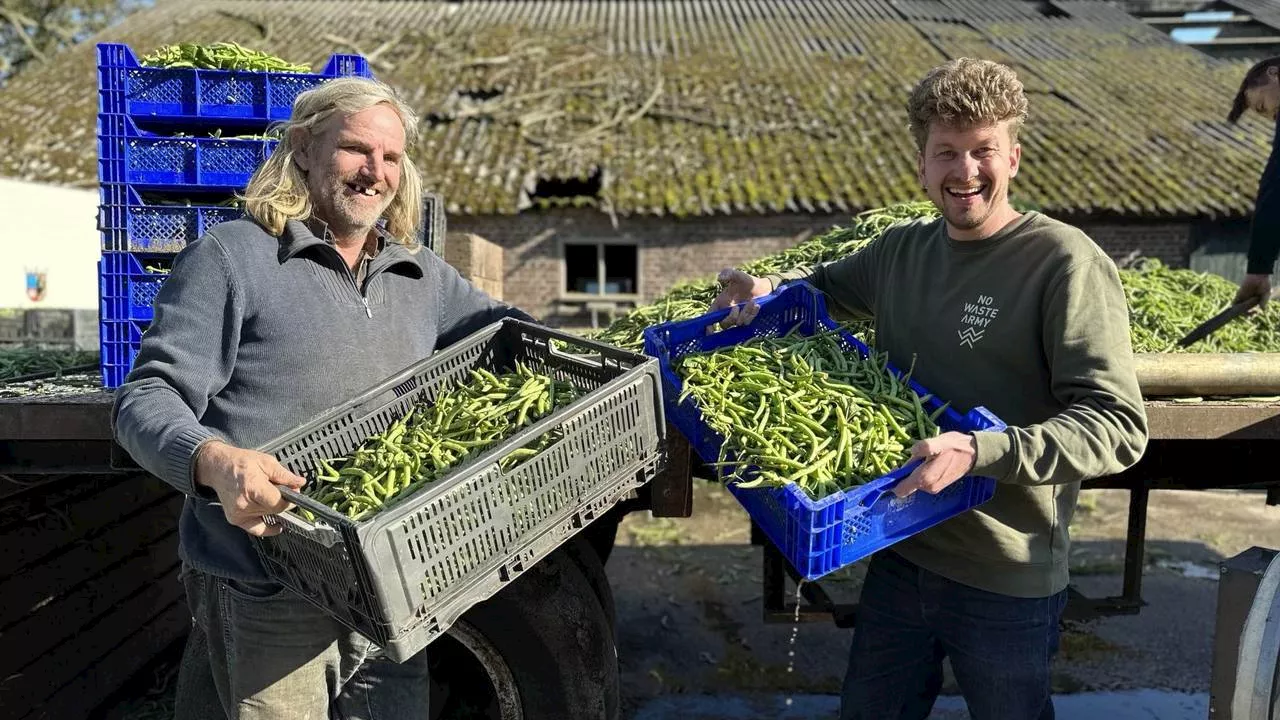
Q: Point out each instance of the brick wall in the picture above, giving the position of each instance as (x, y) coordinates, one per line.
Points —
(671, 249)
(478, 259)
(675, 249)
(1168, 242)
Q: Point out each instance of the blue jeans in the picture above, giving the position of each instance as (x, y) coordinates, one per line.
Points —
(270, 655)
(909, 619)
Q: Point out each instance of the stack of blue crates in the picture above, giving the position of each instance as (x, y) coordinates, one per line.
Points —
(167, 160)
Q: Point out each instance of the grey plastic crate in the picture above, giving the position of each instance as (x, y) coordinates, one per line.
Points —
(404, 576)
(434, 223)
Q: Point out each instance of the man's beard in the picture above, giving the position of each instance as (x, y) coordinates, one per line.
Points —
(350, 212)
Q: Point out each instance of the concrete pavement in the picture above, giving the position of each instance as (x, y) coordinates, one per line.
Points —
(1122, 705)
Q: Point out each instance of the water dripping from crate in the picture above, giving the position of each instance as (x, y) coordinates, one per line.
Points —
(791, 645)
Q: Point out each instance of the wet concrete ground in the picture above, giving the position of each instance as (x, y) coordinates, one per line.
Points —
(692, 640)
(1124, 705)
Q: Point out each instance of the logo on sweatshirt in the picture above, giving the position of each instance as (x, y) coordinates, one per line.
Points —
(977, 316)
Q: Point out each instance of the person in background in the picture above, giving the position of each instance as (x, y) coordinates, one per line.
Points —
(319, 293)
(1260, 92)
(1014, 311)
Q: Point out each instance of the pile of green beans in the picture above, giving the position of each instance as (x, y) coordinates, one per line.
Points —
(17, 362)
(841, 242)
(806, 410)
(1164, 303)
(691, 299)
(1167, 303)
(627, 332)
(218, 56)
(434, 438)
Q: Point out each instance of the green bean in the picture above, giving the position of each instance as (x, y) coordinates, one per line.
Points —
(627, 331)
(834, 419)
(1166, 303)
(434, 438)
(218, 56)
(180, 201)
(17, 362)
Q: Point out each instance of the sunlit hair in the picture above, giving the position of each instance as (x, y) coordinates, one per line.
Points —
(277, 192)
(967, 93)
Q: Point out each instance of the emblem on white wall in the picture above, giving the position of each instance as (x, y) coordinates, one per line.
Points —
(37, 283)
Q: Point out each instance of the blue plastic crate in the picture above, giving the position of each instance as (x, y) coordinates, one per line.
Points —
(816, 536)
(128, 155)
(130, 224)
(182, 96)
(118, 344)
(127, 288)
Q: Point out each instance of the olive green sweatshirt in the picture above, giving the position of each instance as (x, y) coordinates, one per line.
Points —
(1031, 323)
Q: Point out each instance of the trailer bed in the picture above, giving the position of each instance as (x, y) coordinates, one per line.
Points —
(90, 582)
(1213, 419)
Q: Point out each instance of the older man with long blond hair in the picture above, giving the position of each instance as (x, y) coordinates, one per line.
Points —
(319, 293)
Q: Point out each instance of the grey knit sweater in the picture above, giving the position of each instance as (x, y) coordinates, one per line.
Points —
(254, 334)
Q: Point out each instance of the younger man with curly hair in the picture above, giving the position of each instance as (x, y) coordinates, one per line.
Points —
(1014, 311)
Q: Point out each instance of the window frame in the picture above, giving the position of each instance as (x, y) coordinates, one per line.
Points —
(600, 243)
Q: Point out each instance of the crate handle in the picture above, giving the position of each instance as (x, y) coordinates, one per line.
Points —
(322, 534)
(604, 350)
(884, 486)
(711, 317)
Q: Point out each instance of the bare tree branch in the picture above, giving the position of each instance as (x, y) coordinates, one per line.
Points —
(17, 21)
(32, 31)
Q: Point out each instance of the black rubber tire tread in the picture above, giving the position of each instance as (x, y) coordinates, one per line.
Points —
(582, 552)
(557, 641)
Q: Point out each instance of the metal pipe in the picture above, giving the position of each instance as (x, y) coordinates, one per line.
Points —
(1229, 374)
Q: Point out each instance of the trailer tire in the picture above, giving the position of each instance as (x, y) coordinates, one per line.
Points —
(545, 645)
(584, 554)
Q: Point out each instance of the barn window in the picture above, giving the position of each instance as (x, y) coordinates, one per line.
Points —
(604, 269)
(601, 279)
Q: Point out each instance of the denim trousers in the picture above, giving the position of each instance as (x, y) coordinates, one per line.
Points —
(909, 619)
(274, 656)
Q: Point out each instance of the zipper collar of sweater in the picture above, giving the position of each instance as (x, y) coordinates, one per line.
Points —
(299, 235)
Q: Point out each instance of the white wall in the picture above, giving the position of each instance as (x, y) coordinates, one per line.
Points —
(53, 230)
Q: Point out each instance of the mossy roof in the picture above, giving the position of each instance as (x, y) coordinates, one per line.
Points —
(732, 106)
